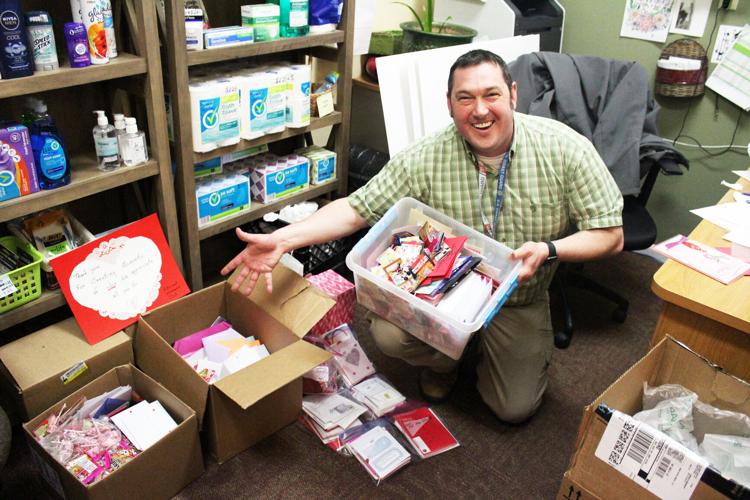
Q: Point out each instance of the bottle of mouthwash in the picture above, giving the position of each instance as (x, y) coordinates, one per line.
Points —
(51, 158)
(294, 17)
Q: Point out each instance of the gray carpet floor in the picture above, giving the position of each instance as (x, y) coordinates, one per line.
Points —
(494, 460)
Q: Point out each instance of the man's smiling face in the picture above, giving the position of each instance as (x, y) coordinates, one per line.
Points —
(481, 105)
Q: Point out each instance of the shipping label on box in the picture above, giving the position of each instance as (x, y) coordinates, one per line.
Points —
(651, 459)
(342, 291)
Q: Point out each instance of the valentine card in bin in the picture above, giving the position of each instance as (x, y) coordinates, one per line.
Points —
(432, 276)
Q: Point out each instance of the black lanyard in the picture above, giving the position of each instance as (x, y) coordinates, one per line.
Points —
(489, 228)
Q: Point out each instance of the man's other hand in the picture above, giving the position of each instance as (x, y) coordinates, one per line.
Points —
(532, 254)
(260, 256)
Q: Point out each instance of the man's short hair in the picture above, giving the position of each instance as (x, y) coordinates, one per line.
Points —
(476, 57)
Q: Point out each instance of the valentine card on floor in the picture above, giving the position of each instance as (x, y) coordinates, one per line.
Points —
(112, 280)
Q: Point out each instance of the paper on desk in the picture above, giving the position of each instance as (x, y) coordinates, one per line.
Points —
(741, 237)
(730, 216)
(745, 174)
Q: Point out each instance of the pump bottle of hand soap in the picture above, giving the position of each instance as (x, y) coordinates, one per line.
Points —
(133, 144)
(105, 141)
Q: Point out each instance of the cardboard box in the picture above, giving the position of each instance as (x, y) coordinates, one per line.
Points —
(342, 291)
(45, 366)
(669, 362)
(161, 471)
(570, 490)
(243, 408)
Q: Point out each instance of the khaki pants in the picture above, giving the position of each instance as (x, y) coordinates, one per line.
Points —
(516, 349)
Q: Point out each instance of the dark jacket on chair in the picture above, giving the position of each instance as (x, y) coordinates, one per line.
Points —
(606, 100)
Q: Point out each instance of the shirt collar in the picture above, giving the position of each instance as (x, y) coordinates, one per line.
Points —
(470, 154)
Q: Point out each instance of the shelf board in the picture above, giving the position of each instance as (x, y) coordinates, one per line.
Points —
(47, 301)
(258, 210)
(207, 56)
(86, 180)
(366, 83)
(315, 123)
(42, 81)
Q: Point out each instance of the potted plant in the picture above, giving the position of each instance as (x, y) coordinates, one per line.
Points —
(424, 34)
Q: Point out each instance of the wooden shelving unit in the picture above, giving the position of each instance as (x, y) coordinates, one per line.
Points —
(335, 46)
(136, 69)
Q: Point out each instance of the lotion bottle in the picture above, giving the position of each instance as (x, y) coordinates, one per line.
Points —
(105, 142)
(133, 144)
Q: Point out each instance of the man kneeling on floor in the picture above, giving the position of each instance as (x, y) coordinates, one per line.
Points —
(549, 180)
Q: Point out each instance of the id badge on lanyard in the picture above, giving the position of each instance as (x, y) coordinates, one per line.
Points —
(489, 227)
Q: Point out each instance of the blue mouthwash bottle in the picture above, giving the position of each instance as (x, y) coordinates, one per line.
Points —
(50, 156)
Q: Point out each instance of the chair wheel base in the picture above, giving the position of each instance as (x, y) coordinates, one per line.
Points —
(562, 339)
(620, 314)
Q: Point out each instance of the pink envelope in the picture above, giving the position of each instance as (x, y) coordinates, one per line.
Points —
(194, 341)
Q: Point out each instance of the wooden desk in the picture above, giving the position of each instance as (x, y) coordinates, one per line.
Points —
(713, 319)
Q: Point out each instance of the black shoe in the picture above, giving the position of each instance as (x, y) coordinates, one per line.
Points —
(436, 387)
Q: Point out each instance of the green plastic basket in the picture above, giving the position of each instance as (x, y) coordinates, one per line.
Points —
(26, 279)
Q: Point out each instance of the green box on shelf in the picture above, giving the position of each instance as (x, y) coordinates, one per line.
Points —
(386, 43)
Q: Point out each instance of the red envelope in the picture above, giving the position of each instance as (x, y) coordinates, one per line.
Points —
(444, 267)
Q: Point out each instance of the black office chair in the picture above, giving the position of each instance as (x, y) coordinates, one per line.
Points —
(610, 103)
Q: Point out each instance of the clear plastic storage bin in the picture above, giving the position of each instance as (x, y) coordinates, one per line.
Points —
(421, 319)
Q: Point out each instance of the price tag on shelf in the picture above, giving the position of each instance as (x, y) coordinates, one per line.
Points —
(6, 286)
(325, 104)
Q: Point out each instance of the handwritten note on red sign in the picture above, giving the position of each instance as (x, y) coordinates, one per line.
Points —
(112, 280)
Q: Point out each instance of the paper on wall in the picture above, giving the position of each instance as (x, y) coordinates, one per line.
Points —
(724, 40)
(731, 77)
(647, 19)
(689, 17)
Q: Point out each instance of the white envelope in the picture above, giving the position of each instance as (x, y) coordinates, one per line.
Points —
(243, 357)
(216, 352)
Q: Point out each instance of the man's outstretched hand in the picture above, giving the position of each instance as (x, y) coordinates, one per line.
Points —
(260, 256)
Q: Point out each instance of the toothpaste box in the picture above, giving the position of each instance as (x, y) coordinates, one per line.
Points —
(227, 37)
(263, 19)
(17, 173)
(221, 197)
(272, 180)
(322, 163)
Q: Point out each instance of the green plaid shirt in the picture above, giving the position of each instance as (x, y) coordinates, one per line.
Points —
(555, 180)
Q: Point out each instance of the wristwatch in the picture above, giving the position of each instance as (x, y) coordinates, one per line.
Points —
(552, 252)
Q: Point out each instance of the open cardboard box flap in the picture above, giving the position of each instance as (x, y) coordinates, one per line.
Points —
(295, 302)
(287, 364)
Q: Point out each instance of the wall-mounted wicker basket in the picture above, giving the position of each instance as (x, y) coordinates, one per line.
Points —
(675, 83)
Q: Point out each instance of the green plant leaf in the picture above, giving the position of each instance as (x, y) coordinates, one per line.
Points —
(429, 15)
(416, 16)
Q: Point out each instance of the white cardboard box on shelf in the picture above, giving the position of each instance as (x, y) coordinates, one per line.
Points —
(245, 407)
(421, 319)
